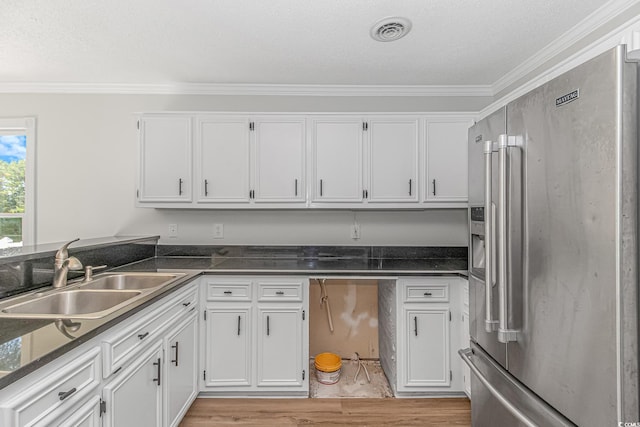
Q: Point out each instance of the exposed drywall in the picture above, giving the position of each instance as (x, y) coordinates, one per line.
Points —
(86, 164)
(387, 330)
(354, 313)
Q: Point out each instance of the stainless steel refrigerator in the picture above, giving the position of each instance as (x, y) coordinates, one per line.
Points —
(553, 283)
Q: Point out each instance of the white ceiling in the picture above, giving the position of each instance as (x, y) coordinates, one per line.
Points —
(305, 42)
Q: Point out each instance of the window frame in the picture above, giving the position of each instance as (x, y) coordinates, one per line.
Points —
(25, 126)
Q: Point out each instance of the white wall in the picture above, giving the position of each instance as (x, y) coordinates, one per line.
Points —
(86, 174)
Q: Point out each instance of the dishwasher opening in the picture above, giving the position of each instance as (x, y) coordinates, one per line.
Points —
(344, 320)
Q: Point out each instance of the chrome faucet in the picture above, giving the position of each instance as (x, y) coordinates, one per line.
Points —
(63, 264)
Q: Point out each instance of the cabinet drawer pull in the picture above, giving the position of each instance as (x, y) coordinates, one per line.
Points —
(320, 188)
(267, 325)
(239, 325)
(143, 336)
(434, 187)
(228, 292)
(180, 187)
(296, 187)
(176, 359)
(410, 187)
(206, 187)
(427, 294)
(415, 325)
(158, 364)
(64, 394)
(186, 304)
(280, 293)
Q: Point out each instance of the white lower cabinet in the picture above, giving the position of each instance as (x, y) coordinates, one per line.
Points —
(429, 314)
(181, 369)
(134, 397)
(227, 347)
(279, 350)
(256, 335)
(466, 338)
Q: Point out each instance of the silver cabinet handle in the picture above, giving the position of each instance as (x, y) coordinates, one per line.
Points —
(505, 334)
(434, 187)
(410, 187)
(239, 325)
(227, 292)
(490, 324)
(143, 336)
(296, 187)
(268, 326)
(159, 365)
(64, 394)
(415, 325)
(279, 292)
(206, 187)
(180, 187)
(320, 188)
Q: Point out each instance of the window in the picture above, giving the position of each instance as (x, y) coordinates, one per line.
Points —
(17, 182)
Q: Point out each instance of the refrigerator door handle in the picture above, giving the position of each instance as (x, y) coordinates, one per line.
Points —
(490, 324)
(505, 334)
(516, 396)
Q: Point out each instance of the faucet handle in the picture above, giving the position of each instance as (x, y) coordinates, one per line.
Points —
(62, 253)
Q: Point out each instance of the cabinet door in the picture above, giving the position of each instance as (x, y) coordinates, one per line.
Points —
(165, 156)
(427, 348)
(337, 152)
(447, 160)
(181, 370)
(466, 371)
(279, 146)
(222, 158)
(393, 154)
(134, 397)
(280, 347)
(228, 347)
(88, 415)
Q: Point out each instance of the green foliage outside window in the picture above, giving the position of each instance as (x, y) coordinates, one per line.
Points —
(12, 186)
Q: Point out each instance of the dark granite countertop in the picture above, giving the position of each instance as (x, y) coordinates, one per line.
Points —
(337, 265)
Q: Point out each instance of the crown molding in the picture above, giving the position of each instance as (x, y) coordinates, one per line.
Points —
(246, 89)
(596, 19)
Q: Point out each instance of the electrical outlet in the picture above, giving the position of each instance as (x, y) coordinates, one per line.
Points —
(355, 231)
(218, 231)
(173, 230)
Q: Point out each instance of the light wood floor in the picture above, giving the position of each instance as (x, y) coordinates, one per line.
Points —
(329, 412)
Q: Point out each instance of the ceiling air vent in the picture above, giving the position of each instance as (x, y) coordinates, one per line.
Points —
(390, 29)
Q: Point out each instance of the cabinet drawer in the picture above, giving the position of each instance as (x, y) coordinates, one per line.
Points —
(280, 291)
(427, 293)
(229, 291)
(120, 347)
(55, 394)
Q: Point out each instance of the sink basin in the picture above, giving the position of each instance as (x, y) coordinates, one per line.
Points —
(130, 281)
(77, 304)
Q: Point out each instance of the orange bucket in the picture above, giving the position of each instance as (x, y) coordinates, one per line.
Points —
(328, 367)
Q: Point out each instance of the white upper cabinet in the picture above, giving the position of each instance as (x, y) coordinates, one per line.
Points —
(446, 160)
(279, 153)
(393, 160)
(222, 159)
(337, 159)
(294, 161)
(165, 158)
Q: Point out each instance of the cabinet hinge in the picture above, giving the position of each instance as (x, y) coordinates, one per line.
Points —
(252, 126)
(204, 375)
(303, 314)
(365, 126)
(103, 407)
(304, 373)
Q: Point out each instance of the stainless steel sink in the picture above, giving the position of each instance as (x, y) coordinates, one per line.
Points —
(93, 299)
(78, 304)
(130, 281)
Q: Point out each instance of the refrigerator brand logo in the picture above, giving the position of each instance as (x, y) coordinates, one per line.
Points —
(478, 138)
(565, 99)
